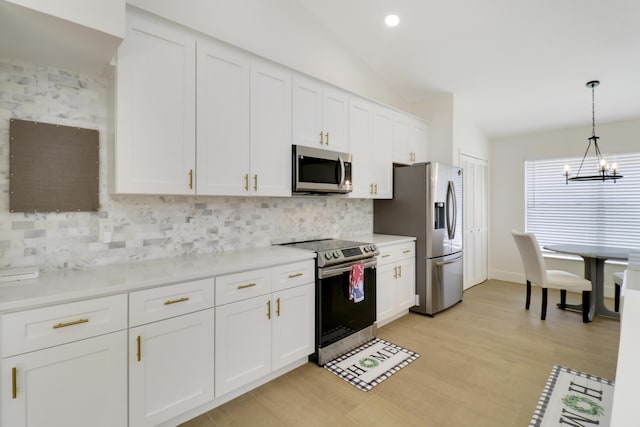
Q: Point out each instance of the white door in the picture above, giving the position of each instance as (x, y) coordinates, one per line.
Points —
(243, 342)
(80, 384)
(155, 97)
(307, 112)
(270, 150)
(360, 130)
(293, 333)
(224, 79)
(170, 367)
(382, 149)
(336, 120)
(475, 220)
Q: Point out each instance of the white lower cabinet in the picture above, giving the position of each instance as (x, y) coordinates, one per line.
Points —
(83, 383)
(262, 334)
(170, 367)
(395, 281)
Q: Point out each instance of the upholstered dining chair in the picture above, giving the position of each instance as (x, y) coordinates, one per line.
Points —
(617, 281)
(536, 273)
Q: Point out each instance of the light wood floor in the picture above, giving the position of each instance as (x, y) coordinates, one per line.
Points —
(483, 362)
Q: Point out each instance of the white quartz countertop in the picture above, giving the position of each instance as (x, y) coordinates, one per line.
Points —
(625, 395)
(69, 285)
(384, 239)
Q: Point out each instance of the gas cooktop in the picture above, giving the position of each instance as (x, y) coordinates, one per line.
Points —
(337, 251)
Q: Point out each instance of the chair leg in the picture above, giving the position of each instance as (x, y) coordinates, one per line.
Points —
(586, 302)
(528, 303)
(617, 298)
(563, 299)
(543, 316)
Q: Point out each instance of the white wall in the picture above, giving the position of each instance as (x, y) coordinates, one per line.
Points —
(507, 186)
(467, 137)
(282, 31)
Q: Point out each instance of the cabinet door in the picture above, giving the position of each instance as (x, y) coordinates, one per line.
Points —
(336, 120)
(385, 288)
(360, 127)
(382, 149)
(170, 367)
(402, 153)
(405, 288)
(224, 78)
(79, 384)
(270, 149)
(307, 112)
(155, 130)
(293, 325)
(419, 141)
(243, 342)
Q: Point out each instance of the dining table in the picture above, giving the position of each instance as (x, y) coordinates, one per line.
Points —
(594, 257)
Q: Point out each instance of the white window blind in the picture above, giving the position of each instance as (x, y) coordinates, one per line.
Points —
(587, 212)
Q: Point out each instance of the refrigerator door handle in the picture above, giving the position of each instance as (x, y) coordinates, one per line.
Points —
(441, 263)
(451, 202)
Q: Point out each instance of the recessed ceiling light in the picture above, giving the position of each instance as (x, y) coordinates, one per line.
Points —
(392, 20)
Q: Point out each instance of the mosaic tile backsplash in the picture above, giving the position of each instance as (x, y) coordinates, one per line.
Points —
(144, 227)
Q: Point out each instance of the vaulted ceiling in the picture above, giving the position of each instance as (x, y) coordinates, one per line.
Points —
(517, 66)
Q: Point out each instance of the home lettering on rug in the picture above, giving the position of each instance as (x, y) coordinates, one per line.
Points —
(372, 360)
(583, 402)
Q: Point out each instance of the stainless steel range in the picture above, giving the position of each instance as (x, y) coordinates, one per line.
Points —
(341, 322)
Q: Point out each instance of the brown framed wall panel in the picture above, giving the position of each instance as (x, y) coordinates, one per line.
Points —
(52, 168)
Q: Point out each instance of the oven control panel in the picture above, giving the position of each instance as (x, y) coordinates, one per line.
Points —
(344, 255)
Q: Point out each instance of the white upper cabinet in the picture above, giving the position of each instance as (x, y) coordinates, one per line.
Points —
(409, 139)
(370, 139)
(78, 35)
(155, 129)
(320, 115)
(270, 150)
(223, 99)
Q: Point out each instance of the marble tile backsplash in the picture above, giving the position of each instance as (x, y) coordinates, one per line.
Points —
(144, 227)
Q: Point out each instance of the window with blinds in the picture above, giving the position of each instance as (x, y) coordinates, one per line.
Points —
(587, 212)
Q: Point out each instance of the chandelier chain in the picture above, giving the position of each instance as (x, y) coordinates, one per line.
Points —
(593, 111)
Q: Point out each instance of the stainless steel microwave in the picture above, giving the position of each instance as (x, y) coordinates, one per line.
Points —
(320, 171)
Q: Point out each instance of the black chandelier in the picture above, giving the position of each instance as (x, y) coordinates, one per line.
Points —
(606, 171)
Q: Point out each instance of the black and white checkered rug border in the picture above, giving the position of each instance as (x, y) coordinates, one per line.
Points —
(543, 403)
(333, 367)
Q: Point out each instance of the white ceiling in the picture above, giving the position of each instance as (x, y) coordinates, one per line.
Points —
(517, 66)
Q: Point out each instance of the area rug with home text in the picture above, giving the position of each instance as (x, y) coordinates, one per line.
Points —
(371, 363)
(573, 398)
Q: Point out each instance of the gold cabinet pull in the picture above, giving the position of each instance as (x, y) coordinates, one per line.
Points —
(174, 301)
(406, 251)
(399, 271)
(14, 383)
(321, 140)
(395, 272)
(385, 255)
(255, 182)
(190, 179)
(75, 322)
(376, 187)
(278, 307)
(327, 134)
(269, 309)
(370, 188)
(139, 348)
(291, 276)
(248, 285)
(246, 182)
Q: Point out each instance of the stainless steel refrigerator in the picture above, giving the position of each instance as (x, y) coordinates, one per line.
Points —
(427, 204)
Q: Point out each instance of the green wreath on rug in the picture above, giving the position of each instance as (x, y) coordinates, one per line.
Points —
(368, 362)
(573, 402)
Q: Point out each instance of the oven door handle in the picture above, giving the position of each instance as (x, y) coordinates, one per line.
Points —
(335, 271)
